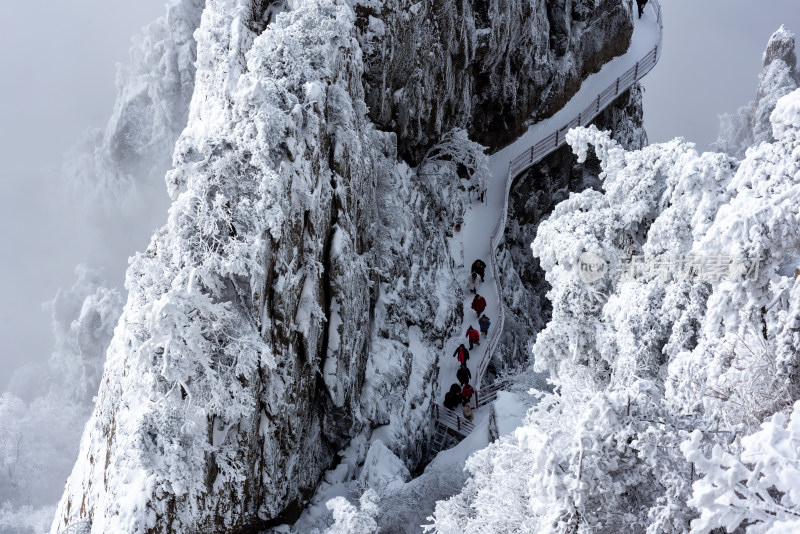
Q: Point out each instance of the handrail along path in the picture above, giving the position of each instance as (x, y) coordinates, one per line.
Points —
(525, 160)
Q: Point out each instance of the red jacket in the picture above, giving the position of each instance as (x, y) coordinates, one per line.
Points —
(473, 334)
(467, 392)
(461, 354)
(479, 304)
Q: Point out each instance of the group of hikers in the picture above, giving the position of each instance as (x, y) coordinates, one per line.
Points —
(462, 392)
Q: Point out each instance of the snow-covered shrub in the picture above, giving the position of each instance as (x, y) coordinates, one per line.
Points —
(351, 520)
(567, 470)
(736, 380)
(758, 487)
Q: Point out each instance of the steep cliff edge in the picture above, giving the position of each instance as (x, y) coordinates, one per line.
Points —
(490, 66)
(242, 348)
(303, 285)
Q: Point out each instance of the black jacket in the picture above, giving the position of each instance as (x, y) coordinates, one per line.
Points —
(452, 400)
(455, 354)
(463, 374)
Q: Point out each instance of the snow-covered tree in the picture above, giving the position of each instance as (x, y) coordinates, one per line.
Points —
(692, 327)
(349, 519)
(758, 487)
(455, 147)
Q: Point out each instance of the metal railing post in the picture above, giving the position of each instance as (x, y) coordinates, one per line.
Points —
(616, 91)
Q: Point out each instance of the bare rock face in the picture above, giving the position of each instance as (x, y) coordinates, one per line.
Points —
(484, 65)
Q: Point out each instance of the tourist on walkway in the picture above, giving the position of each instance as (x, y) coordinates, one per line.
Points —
(472, 283)
(467, 410)
(641, 4)
(462, 354)
(478, 304)
(452, 400)
(483, 324)
(479, 267)
(463, 374)
(467, 392)
(474, 337)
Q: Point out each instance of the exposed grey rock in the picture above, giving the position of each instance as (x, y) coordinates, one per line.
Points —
(484, 65)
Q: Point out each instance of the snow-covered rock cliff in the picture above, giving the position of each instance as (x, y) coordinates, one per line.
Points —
(122, 166)
(489, 66)
(300, 293)
(750, 124)
(243, 346)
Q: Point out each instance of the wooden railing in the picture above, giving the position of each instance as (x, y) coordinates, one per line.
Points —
(454, 421)
(523, 162)
(489, 393)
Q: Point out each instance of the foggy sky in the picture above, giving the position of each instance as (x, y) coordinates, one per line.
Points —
(709, 64)
(57, 71)
(57, 78)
